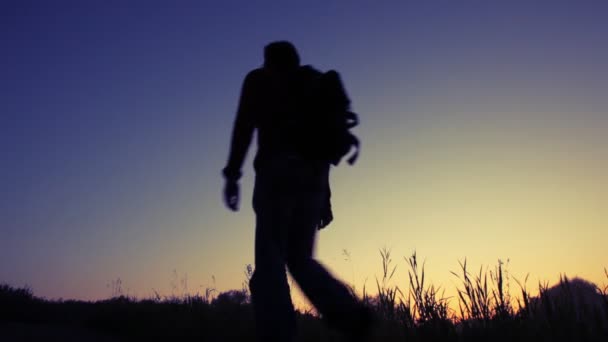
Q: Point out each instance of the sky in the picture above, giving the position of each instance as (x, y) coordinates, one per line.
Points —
(482, 126)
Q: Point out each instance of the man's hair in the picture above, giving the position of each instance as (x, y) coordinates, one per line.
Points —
(281, 55)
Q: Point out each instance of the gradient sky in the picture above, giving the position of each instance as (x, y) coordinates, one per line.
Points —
(483, 129)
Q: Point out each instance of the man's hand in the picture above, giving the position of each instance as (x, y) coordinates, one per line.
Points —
(231, 195)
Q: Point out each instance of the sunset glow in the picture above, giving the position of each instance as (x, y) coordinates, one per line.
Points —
(483, 129)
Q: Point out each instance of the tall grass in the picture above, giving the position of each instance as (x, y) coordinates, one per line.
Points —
(410, 310)
(481, 301)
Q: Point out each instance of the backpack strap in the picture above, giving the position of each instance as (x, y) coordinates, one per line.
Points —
(351, 121)
(355, 142)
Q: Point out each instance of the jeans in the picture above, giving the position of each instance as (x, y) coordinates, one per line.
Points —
(288, 197)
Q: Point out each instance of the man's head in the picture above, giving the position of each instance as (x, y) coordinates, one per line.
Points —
(281, 55)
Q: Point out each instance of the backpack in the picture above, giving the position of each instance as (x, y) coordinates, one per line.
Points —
(326, 116)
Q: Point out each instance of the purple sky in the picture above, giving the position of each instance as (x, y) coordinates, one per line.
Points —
(115, 119)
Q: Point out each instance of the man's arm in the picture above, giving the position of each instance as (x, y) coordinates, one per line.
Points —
(242, 132)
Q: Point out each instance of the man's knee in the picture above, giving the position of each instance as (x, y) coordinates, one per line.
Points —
(298, 264)
(267, 279)
(253, 283)
(260, 280)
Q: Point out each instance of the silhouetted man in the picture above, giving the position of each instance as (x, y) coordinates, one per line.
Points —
(290, 201)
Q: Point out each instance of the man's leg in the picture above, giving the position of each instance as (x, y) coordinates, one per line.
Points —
(331, 297)
(273, 309)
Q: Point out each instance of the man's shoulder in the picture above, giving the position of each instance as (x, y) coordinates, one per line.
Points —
(310, 70)
(255, 74)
